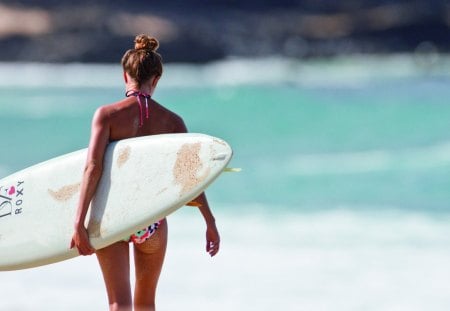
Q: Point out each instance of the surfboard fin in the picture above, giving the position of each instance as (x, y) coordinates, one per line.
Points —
(232, 169)
(193, 203)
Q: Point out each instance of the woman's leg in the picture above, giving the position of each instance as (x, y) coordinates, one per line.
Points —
(115, 264)
(148, 260)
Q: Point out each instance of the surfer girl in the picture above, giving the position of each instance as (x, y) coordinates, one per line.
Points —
(137, 114)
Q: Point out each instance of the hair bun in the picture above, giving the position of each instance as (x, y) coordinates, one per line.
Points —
(145, 42)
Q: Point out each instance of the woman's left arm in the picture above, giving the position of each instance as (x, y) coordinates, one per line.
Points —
(212, 234)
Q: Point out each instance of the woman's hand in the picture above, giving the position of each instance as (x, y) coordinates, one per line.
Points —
(212, 239)
(80, 240)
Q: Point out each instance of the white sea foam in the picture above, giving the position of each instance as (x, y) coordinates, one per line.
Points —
(59, 75)
(337, 260)
(346, 72)
(424, 158)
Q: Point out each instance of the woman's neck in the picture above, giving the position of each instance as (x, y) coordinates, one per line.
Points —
(144, 89)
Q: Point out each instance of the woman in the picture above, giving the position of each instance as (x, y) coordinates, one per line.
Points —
(135, 115)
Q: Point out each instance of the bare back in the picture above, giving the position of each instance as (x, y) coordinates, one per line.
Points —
(124, 119)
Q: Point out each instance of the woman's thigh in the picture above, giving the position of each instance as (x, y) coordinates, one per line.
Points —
(114, 262)
(149, 258)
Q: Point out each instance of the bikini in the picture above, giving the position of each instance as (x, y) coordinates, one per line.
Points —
(142, 235)
(138, 95)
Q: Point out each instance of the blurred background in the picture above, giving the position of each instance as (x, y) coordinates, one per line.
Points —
(338, 114)
(201, 30)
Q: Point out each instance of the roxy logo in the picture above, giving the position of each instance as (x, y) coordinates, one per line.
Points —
(11, 199)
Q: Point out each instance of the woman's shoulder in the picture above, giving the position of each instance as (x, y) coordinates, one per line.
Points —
(171, 118)
(102, 113)
(107, 109)
(108, 113)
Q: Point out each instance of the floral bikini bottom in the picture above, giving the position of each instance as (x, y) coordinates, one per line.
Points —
(143, 235)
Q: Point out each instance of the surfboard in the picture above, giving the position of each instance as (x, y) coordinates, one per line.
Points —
(144, 179)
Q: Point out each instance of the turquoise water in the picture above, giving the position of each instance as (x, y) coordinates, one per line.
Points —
(323, 135)
(342, 204)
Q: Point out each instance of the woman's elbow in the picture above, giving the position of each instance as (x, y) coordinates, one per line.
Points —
(93, 169)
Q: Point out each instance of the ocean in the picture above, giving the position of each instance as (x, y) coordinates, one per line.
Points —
(343, 200)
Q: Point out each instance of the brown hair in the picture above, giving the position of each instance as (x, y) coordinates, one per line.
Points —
(143, 62)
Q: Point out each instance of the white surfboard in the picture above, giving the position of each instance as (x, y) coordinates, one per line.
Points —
(144, 180)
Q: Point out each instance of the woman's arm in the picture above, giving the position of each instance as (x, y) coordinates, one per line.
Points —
(212, 234)
(92, 173)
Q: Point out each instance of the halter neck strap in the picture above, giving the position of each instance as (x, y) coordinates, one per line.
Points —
(138, 95)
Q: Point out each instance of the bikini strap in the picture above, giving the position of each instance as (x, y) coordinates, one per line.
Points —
(138, 95)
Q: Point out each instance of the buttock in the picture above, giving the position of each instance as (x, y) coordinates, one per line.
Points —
(143, 235)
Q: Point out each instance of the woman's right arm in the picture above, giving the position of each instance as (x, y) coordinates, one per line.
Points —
(92, 173)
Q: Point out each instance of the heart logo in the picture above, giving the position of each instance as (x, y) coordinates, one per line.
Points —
(12, 190)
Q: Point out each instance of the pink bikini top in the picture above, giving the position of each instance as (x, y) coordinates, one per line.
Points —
(138, 95)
